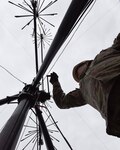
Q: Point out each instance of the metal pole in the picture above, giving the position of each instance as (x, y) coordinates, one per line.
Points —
(34, 4)
(74, 11)
(8, 99)
(41, 38)
(11, 132)
(44, 130)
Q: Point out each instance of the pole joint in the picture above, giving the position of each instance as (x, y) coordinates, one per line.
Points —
(33, 94)
(28, 93)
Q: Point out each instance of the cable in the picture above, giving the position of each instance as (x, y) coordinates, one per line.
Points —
(59, 130)
(72, 35)
(12, 75)
(84, 11)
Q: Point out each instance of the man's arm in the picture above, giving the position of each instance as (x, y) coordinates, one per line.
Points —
(64, 101)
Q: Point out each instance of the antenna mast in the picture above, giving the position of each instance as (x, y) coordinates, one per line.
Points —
(30, 94)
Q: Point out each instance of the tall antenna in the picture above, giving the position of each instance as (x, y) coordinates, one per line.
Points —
(31, 97)
(35, 10)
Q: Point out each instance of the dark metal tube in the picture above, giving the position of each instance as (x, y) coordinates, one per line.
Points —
(44, 130)
(74, 10)
(8, 99)
(11, 132)
(35, 33)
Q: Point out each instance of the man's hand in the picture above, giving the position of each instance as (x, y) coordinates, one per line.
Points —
(54, 78)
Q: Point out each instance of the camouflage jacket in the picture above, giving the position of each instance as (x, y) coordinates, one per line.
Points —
(96, 85)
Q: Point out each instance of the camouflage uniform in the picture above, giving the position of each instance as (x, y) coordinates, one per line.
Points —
(98, 88)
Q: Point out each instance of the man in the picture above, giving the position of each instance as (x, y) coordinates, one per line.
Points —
(99, 81)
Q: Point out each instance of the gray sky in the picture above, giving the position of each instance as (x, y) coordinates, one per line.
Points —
(83, 127)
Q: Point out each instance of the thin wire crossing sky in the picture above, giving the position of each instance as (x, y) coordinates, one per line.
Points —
(83, 127)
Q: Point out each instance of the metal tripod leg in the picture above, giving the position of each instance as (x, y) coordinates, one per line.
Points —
(46, 135)
(10, 133)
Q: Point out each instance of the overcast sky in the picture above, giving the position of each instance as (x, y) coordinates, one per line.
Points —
(83, 127)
